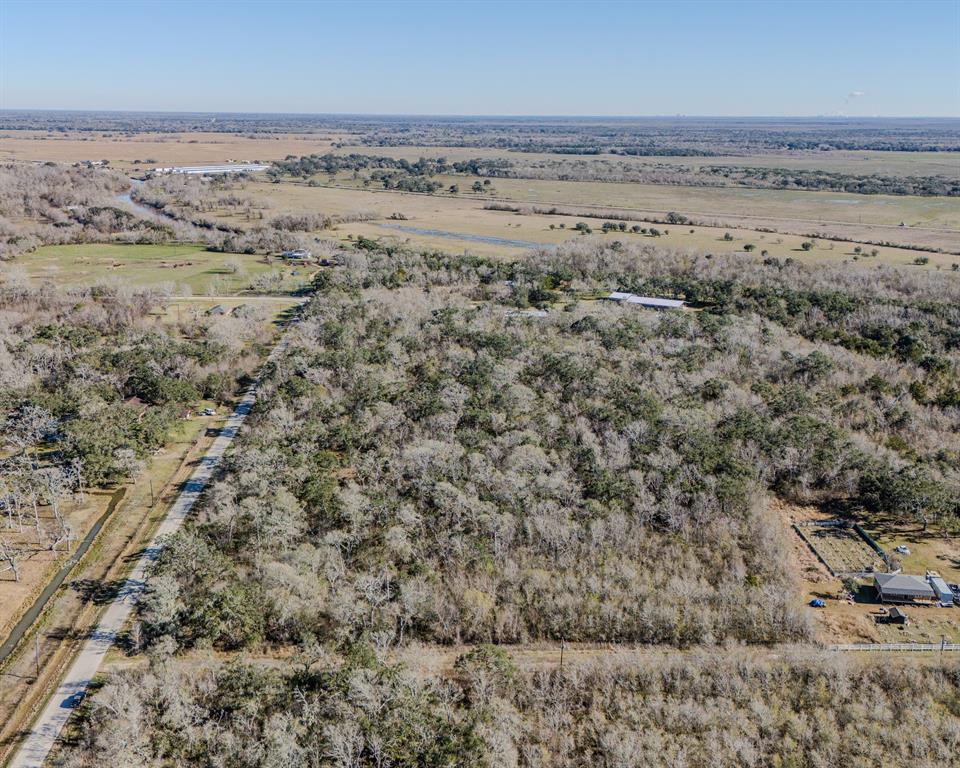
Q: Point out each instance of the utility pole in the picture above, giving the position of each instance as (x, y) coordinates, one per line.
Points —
(562, 644)
(36, 649)
(151, 492)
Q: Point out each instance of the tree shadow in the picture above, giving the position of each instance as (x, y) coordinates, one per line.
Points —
(96, 591)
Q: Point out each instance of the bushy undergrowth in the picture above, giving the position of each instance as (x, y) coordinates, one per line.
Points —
(694, 711)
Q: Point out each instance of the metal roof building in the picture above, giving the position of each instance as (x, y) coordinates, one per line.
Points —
(646, 301)
(944, 595)
(901, 588)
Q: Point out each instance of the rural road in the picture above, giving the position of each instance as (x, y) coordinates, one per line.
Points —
(45, 730)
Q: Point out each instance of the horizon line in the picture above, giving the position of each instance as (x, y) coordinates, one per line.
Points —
(455, 115)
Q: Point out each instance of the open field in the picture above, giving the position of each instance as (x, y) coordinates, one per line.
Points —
(466, 215)
(146, 150)
(184, 269)
(703, 202)
(181, 308)
(843, 161)
(123, 150)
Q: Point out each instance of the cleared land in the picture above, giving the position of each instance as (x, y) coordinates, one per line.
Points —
(184, 269)
(856, 620)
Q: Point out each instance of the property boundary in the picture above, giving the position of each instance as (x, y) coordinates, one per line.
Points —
(950, 647)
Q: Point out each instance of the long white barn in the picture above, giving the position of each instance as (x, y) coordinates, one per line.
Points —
(211, 170)
(646, 301)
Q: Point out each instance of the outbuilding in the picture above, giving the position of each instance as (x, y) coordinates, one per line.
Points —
(902, 588)
(896, 616)
(299, 254)
(943, 592)
(649, 302)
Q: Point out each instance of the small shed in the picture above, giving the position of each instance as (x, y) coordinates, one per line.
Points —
(896, 616)
(218, 309)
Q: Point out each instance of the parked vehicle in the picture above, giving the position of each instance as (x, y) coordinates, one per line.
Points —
(817, 603)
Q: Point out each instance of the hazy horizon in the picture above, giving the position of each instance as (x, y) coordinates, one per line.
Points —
(478, 116)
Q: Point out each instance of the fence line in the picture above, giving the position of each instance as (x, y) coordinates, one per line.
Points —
(952, 647)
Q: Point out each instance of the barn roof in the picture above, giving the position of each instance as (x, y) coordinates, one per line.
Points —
(903, 585)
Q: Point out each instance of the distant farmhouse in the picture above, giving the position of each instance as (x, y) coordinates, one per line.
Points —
(648, 302)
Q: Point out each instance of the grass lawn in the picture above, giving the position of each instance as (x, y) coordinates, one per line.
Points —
(186, 269)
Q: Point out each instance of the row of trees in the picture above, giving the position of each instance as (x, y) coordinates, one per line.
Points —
(691, 711)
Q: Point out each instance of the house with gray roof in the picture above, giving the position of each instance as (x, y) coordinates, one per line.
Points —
(902, 588)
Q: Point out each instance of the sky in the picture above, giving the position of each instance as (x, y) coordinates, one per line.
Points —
(775, 58)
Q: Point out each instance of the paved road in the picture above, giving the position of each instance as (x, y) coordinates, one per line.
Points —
(38, 743)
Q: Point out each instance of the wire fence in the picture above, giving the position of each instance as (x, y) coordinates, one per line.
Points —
(952, 647)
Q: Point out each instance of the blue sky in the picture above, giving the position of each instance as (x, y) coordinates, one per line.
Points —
(601, 58)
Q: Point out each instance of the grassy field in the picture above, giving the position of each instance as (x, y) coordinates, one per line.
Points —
(185, 269)
(716, 202)
(175, 311)
(841, 161)
(453, 215)
(211, 147)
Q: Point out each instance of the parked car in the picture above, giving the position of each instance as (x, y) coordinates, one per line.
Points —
(208, 412)
(903, 549)
(817, 603)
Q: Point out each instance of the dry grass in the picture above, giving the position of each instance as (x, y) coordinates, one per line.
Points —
(163, 148)
(846, 621)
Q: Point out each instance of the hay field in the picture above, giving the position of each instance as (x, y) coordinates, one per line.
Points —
(159, 148)
(720, 202)
(184, 269)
